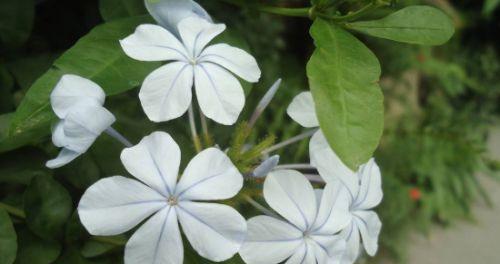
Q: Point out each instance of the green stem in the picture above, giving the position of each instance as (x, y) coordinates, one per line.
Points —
(284, 11)
(356, 14)
(13, 210)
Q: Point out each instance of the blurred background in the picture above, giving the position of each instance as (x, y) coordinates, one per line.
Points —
(439, 154)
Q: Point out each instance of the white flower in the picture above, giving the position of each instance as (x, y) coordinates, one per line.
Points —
(168, 13)
(365, 190)
(313, 218)
(78, 103)
(115, 205)
(303, 111)
(166, 92)
(365, 193)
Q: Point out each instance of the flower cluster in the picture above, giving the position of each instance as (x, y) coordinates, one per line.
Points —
(305, 225)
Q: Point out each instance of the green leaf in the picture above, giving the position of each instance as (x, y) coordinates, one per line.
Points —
(422, 25)
(16, 21)
(8, 239)
(115, 9)
(20, 166)
(490, 6)
(343, 76)
(97, 56)
(48, 206)
(34, 250)
(9, 142)
(95, 248)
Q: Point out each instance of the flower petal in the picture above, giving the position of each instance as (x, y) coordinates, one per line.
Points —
(219, 93)
(292, 196)
(305, 255)
(168, 13)
(370, 191)
(210, 175)
(155, 161)
(266, 167)
(157, 241)
(333, 214)
(330, 166)
(65, 156)
(166, 92)
(58, 136)
(153, 43)
(72, 89)
(328, 249)
(215, 231)
(115, 205)
(369, 225)
(303, 111)
(84, 123)
(234, 59)
(351, 236)
(197, 32)
(270, 240)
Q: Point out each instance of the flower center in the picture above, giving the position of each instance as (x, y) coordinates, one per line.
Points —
(172, 201)
(192, 61)
(306, 234)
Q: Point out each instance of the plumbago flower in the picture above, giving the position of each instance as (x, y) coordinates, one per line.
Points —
(115, 205)
(312, 220)
(365, 193)
(78, 102)
(166, 93)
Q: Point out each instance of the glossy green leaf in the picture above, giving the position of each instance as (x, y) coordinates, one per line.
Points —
(34, 250)
(343, 76)
(8, 239)
(48, 206)
(115, 9)
(422, 25)
(10, 142)
(490, 6)
(96, 56)
(16, 21)
(95, 248)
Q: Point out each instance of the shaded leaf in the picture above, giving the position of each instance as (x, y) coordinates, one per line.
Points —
(8, 239)
(115, 9)
(16, 21)
(22, 165)
(47, 205)
(34, 250)
(422, 25)
(343, 76)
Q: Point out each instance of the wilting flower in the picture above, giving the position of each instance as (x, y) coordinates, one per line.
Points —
(166, 92)
(78, 102)
(312, 220)
(115, 205)
(365, 193)
(168, 13)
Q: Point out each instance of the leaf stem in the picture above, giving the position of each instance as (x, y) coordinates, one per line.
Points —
(284, 11)
(13, 210)
(289, 141)
(194, 133)
(206, 134)
(356, 14)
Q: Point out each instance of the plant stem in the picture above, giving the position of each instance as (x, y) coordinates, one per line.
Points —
(116, 135)
(314, 178)
(289, 141)
(12, 210)
(194, 134)
(259, 207)
(284, 11)
(304, 166)
(356, 14)
(206, 134)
